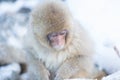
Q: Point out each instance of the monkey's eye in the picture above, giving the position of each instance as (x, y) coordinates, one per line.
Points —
(64, 32)
(51, 36)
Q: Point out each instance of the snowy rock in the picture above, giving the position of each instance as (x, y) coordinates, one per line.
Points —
(108, 59)
(114, 76)
(24, 10)
(8, 0)
(10, 72)
(13, 25)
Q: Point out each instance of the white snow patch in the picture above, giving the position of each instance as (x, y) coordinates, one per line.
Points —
(6, 71)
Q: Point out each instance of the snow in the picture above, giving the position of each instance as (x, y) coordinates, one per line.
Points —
(13, 7)
(108, 59)
(115, 76)
(100, 17)
(7, 71)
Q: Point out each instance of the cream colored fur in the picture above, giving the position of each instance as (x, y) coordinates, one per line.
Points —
(76, 56)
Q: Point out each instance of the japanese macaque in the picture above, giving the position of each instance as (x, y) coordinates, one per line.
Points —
(57, 42)
(56, 47)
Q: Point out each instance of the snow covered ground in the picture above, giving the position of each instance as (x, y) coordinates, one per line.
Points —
(100, 17)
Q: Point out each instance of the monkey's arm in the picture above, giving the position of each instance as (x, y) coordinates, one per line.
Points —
(37, 70)
(76, 67)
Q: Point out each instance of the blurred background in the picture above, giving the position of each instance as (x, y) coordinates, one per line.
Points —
(100, 17)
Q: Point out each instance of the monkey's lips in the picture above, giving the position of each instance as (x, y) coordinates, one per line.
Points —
(57, 47)
(58, 44)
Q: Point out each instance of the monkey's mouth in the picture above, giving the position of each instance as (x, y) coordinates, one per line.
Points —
(58, 47)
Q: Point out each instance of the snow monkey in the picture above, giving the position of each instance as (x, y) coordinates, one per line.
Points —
(58, 44)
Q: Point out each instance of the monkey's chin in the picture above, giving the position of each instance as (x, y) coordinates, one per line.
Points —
(58, 47)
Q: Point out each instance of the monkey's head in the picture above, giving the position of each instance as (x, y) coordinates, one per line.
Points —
(51, 23)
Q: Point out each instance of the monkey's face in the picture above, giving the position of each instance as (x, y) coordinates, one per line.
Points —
(50, 24)
(57, 40)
